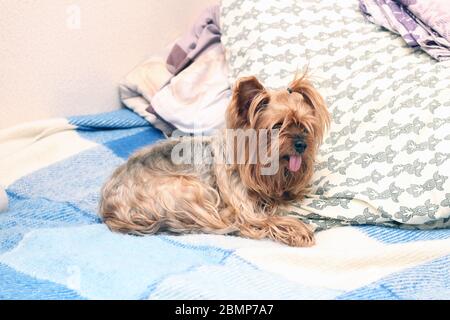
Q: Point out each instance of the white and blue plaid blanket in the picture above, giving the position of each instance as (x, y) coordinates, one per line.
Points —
(54, 246)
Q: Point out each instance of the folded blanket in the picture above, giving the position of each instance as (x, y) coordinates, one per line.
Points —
(189, 90)
(204, 32)
(196, 99)
(434, 13)
(421, 23)
(140, 85)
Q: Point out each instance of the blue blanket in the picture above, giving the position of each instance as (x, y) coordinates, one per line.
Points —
(54, 246)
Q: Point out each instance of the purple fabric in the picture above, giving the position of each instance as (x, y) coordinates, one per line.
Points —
(421, 23)
(205, 31)
(434, 13)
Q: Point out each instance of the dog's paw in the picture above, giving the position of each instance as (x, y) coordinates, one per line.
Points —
(290, 231)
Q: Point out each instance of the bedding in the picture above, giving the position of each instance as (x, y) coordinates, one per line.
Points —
(140, 85)
(421, 23)
(386, 158)
(188, 89)
(204, 33)
(195, 100)
(54, 246)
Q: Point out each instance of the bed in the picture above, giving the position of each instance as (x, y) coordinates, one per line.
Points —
(53, 244)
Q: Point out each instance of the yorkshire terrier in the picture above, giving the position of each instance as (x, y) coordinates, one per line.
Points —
(155, 192)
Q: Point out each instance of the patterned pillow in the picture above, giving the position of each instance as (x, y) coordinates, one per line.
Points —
(386, 158)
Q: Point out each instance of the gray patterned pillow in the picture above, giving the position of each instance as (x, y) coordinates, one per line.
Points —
(386, 159)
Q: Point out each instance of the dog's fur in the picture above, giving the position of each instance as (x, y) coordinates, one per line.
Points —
(151, 193)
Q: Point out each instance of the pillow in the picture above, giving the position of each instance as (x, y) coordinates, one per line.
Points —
(140, 85)
(386, 158)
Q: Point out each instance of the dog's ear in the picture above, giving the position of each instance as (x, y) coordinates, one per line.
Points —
(314, 100)
(244, 92)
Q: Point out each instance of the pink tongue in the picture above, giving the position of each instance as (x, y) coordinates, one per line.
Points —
(294, 163)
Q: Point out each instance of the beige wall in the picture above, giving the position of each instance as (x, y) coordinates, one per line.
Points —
(50, 68)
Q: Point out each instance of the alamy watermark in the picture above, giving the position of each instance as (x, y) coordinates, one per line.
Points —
(73, 20)
(235, 146)
(73, 278)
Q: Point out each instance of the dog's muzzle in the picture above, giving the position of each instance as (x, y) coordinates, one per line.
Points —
(300, 145)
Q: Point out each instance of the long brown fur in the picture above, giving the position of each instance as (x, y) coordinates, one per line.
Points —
(151, 193)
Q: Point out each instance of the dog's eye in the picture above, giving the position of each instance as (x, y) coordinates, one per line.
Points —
(304, 130)
(277, 126)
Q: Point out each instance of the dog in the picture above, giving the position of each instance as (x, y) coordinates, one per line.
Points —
(152, 192)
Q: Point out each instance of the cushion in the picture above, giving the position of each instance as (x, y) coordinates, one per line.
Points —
(386, 157)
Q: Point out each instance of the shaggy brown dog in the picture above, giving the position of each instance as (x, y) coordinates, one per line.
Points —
(154, 191)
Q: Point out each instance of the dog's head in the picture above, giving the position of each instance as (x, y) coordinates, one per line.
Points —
(299, 117)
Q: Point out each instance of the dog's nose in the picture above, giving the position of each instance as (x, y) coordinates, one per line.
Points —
(300, 145)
